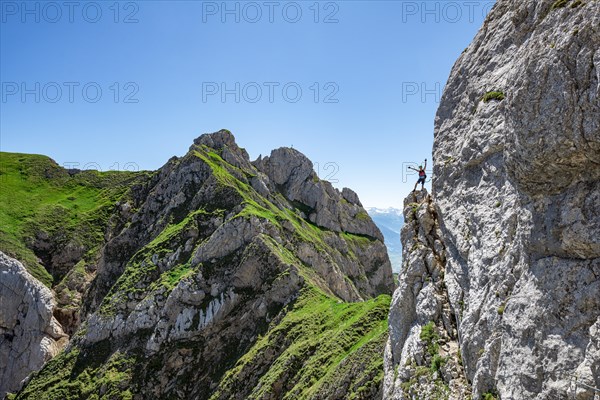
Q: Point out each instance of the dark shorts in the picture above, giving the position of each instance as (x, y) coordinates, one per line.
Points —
(422, 179)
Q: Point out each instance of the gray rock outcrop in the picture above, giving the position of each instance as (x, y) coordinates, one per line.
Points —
(422, 355)
(292, 173)
(30, 335)
(516, 187)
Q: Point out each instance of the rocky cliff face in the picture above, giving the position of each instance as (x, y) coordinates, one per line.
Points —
(517, 196)
(223, 278)
(30, 334)
(422, 357)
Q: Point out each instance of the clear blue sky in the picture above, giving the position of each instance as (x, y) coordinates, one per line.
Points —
(161, 67)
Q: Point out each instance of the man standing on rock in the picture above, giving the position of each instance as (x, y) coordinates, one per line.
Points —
(422, 175)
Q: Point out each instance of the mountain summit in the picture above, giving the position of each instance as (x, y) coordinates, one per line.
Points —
(222, 278)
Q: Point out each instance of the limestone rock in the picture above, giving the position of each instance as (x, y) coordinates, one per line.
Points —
(516, 186)
(292, 174)
(422, 357)
(30, 333)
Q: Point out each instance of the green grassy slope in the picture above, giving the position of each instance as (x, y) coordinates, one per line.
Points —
(37, 195)
(94, 375)
(313, 349)
(317, 345)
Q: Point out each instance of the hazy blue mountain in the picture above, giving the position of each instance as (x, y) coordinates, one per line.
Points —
(389, 221)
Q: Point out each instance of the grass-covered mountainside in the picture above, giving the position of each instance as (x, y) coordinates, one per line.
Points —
(45, 208)
(321, 348)
(211, 278)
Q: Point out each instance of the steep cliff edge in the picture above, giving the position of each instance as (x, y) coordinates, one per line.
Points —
(223, 278)
(516, 188)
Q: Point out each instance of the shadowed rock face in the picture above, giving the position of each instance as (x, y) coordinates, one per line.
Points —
(517, 191)
(214, 252)
(30, 334)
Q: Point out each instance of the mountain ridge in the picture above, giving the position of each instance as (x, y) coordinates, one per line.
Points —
(205, 256)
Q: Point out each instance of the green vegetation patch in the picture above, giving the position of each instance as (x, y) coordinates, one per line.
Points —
(285, 255)
(91, 374)
(311, 347)
(430, 337)
(501, 308)
(359, 373)
(363, 216)
(172, 277)
(493, 95)
(449, 160)
(557, 4)
(38, 197)
(490, 396)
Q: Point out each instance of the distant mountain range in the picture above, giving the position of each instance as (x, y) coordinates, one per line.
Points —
(390, 221)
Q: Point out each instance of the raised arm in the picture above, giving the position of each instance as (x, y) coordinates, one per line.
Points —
(409, 167)
(425, 165)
